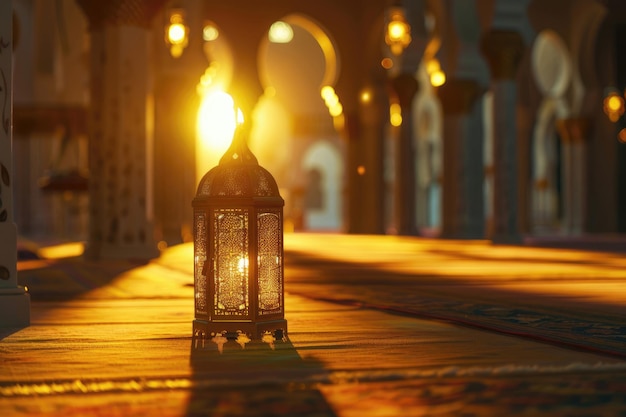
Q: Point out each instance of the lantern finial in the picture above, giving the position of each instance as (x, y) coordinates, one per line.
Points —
(238, 152)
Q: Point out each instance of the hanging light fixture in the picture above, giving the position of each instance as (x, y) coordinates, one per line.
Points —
(176, 32)
(613, 105)
(398, 33)
(238, 249)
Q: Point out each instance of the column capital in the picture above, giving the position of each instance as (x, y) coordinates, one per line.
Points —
(573, 129)
(458, 95)
(503, 50)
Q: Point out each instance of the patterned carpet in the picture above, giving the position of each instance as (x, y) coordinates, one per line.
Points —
(361, 285)
(575, 332)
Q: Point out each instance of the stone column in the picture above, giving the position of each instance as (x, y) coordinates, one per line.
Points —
(464, 211)
(356, 214)
(573, 132)
(503, 50)
(405, 86)
(14, 300)
(374, 118)
(364, 133)
(120, 130)
(463, 208)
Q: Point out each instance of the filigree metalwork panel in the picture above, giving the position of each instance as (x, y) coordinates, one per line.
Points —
(231, 273)
(270, 263)
(200, 248)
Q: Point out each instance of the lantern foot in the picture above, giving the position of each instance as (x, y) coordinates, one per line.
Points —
(231, 330)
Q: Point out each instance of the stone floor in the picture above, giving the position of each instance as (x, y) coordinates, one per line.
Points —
(378, 326)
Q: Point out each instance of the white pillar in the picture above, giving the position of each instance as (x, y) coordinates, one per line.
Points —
(121, 141)
(14, 300)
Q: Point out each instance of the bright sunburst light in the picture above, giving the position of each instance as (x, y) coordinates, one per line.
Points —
(215, 128)
(216, 120)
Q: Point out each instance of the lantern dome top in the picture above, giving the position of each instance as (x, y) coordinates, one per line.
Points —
(238, 174)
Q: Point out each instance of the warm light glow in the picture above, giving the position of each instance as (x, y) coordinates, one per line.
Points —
(280, 32)
(176, 33)
(210, 32)
(176, 51)
(615, 103)
(208, 79)
(216, 121)
(437, 78)
(613, 106)
(436, 75)
(332, 100)
(395, 115)
(242, 265)
(240, 119)
(366, 96)
(398, 35)
(397, 30)
(433, 65)
(327, 91)
(63, 250)
(528, 272)
(336, 109)
(360, 170)
(386, 63)
(622, 135)
(339, 122)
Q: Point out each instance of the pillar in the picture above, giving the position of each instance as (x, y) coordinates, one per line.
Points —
(405, 87)
(464, 136)
(463, 207)
(176, 111)
(504, 49)
(374, 115)
(14, 300)
(364, 124)
(573, 132)
(357, 212)
(120, 131)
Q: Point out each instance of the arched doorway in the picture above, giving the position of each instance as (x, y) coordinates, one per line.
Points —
(294, 133)
(552, 70)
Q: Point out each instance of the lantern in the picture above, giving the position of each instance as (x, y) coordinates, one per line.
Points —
(176, 33)
(238, 249)
(398, 33)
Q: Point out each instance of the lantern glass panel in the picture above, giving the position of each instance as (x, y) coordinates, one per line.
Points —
(200, 248)
(270, 291)
(231, 268)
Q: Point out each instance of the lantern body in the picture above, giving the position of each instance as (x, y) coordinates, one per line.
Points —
(238, 250)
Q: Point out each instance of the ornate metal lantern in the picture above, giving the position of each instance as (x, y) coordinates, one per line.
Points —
(238, 248)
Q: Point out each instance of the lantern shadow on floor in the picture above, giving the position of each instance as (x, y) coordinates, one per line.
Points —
(255, 378)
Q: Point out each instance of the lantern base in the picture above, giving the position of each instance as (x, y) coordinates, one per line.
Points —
(229, 329)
